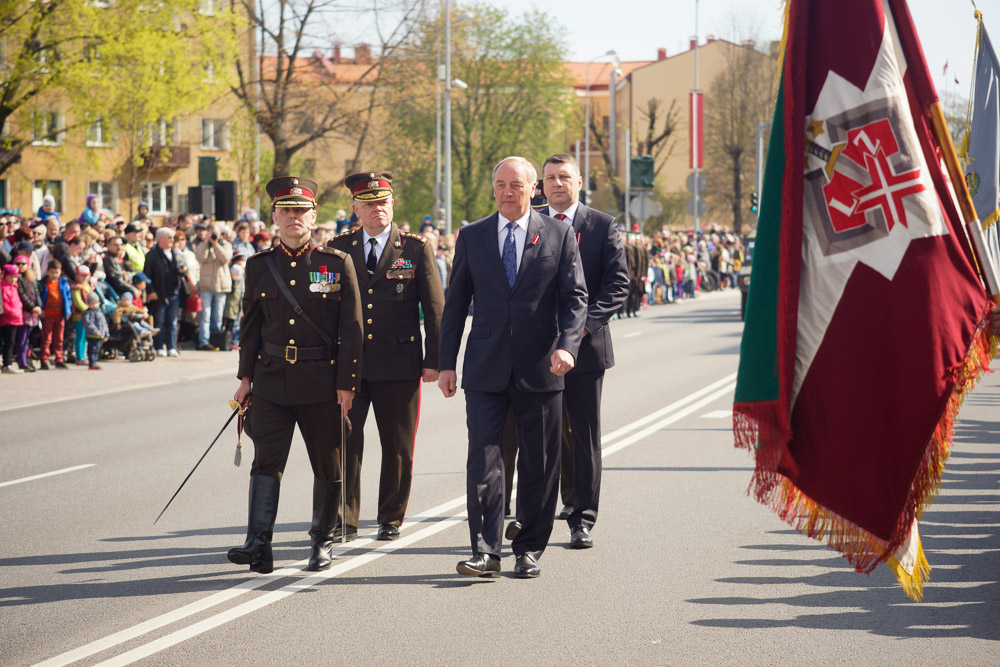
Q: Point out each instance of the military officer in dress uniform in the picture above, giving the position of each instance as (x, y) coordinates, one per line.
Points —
(300, 347)
(398, 276)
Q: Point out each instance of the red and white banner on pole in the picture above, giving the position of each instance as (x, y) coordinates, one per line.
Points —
(695, 129)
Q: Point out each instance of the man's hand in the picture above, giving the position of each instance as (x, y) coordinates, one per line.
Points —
(345, 397)
(562, 362)
(429, 375)
(447, 382)
(243, 393)
(151, 296)
(995, 319)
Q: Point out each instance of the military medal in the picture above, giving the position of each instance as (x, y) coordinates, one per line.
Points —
(323, 282)
(399, 288)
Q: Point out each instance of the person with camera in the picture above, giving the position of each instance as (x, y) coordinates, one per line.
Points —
(215, 282)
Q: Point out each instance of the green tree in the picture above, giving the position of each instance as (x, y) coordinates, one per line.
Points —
(516, 103)
(740, 96)
(123, 64)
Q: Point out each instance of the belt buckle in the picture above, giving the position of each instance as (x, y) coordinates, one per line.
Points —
(294, 352)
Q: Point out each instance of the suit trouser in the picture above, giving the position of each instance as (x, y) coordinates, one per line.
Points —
(271, 425)
(539, 420)
(397, 409)
(582, 400)
(565, 458)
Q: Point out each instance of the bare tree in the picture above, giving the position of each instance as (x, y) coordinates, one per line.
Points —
(740, 96)
(297, 93)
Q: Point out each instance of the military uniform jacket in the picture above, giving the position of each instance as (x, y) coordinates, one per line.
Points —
(406, 279)
(269, 317)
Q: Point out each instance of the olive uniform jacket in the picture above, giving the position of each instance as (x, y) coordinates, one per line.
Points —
(406, 279)
(270, 323)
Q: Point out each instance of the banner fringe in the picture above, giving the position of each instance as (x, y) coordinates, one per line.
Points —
(992, 219)
(913, 584)
(758, 428)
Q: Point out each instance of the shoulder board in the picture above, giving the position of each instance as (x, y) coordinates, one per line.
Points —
(331, 251)
(346, 233)
(410, 235)
(260, 253)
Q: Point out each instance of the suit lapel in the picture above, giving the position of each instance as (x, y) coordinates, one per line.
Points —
(535, 227)
(491, 246)
(357, 253)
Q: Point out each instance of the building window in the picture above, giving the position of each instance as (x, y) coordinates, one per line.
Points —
(107, 194)
(163, 133)
(43, 187)
(209, 76)
(207, 7)
(99, 134)
(161, 197)
(3, 195)
(45, 128)
(214, 134)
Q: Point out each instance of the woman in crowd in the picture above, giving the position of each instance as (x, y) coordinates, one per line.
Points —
(31, 310)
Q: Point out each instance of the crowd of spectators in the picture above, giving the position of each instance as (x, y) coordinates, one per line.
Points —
(187, 275)
(176, 281)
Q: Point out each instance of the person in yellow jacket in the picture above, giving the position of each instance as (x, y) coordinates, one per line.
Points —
(80, 290)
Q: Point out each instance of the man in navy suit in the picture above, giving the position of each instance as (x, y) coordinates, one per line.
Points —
(603, 258)
(523, 271)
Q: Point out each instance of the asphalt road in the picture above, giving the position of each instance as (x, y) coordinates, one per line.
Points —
(687, 569)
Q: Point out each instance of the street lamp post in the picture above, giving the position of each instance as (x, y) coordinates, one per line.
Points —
(586, 124)
(447, 116)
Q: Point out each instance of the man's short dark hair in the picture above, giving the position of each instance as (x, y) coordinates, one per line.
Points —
(54, 264)
(561, 158)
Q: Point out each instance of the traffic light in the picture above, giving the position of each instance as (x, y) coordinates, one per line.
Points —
(753, 202)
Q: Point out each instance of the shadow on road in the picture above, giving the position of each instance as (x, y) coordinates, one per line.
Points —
(962, 598)
(705, 316)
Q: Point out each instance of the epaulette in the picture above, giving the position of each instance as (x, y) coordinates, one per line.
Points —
(261, 252)
(349, 231)
(332, 251)
(410, 235)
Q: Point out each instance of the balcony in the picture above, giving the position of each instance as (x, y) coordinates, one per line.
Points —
(166, 157)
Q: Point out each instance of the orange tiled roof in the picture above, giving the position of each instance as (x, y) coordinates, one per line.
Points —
(599, 72)
(321, 68)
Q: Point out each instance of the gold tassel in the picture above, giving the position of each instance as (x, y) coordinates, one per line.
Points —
(913, 584)
(238, 459)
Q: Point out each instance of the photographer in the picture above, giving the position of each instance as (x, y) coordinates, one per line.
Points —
(214, 255)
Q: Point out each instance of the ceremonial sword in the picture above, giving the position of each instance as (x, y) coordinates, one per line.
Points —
(237, 410)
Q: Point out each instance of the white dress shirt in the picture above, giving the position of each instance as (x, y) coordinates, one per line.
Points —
(570, 213)
(520, 234)
(380, 242)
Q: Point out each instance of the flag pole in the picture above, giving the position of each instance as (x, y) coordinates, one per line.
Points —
(986, 267)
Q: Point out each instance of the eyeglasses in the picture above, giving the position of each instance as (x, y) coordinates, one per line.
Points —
(21, 263)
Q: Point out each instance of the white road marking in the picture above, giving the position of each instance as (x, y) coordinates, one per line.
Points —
(48, 474)
(717, 414)
(667, 415)
(633, 334)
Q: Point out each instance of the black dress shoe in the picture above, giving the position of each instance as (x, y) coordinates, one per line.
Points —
(513, 528)
(480, 565)
(526, 567)
(580, 538)
(565, 512)
(352, 532)
(387, 531)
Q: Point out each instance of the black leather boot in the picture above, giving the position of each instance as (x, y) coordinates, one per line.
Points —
(326, 500)
(256, 551)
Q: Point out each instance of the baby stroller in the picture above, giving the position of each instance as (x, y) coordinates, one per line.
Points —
(126, 336)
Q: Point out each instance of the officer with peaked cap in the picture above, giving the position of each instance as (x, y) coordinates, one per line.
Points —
(300, 348)
(398, 276)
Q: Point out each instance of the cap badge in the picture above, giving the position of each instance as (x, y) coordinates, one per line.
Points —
(296, 191)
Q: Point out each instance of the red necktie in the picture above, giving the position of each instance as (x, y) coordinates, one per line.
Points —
(560, 216)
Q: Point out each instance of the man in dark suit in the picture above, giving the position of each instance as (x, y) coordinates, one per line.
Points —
(166, 271)
(300, 345)
(523, 271)
(397, 276)
(603, 258)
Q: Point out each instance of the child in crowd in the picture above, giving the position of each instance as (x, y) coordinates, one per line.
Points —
(140, 281)
(81, 292)
(57, 305)
(128, 311)
(11, 316)
(96, 327)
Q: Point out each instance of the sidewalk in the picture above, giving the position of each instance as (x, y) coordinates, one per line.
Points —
(41, 387)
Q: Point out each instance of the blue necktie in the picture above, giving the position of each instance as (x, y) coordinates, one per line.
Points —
(509, 256)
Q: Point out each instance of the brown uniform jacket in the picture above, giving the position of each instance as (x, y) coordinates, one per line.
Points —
(405, 280)
(267, 316)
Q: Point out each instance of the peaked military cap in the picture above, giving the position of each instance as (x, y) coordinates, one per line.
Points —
(292, 191)
(370, 185)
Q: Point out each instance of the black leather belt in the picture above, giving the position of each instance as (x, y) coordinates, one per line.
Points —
(292, 353)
